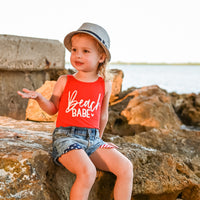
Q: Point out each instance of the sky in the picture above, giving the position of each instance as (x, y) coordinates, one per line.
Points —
(140, 30)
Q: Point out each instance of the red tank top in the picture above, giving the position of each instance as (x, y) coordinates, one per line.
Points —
(80, 103)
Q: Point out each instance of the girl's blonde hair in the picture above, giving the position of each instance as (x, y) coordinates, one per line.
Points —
(102, 69)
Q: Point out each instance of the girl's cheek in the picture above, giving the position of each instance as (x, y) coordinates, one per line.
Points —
(71, 58)
(72, 55)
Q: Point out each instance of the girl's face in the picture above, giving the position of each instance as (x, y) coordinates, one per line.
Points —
(84, 53)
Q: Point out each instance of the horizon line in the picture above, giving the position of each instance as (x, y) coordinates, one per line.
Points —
(149, 63)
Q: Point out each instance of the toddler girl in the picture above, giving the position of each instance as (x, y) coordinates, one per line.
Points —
(82, 101)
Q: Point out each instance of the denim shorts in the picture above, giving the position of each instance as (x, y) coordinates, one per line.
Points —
(66, 139)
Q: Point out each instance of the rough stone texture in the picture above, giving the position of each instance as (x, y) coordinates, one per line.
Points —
(30, 54)
(27, 170)
(34, 112)
(181, 143)
(116, 83)
(142, 109)
(150, 107)
(187, 107)
(25, 62)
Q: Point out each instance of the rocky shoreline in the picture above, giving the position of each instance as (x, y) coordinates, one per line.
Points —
(158, 131)
(142, 122)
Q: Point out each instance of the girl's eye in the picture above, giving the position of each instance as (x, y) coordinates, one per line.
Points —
(73, 49)
(86, 51)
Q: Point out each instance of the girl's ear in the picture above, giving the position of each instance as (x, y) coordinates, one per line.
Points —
(102, 58)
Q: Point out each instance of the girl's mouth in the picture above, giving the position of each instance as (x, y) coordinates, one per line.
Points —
(78, 63)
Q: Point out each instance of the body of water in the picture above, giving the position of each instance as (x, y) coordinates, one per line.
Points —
(173, 78)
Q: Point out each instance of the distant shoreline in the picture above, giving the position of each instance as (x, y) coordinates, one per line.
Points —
(146, 63)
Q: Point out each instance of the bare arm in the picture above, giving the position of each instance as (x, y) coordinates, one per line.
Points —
(104, 108)
(49, 106)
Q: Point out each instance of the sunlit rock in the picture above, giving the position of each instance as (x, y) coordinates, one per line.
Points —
(28, 172)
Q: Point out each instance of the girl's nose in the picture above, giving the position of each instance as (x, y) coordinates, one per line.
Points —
(78, 54)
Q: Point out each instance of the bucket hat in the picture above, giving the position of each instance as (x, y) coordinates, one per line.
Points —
(96, 31)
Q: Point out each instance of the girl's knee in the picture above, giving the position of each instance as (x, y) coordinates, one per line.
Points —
(130, 167)
(127, 170)
(87, 174)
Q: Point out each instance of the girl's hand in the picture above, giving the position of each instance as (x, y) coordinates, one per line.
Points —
(28, 94)
(112, 145)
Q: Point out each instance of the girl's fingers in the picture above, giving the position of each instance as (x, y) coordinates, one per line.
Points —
(23, 95)
(26, 90)
(113, 145)
(20, 93)
(28, 94)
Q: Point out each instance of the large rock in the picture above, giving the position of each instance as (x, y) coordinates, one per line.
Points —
(27, 170)
(25, 62)
(142, 109)
(116, 83)
(187, 107)
(181, 143)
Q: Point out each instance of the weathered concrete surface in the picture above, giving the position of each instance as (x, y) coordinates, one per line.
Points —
(27, 170)
(25, 62)
(30, 54)
(11, 104)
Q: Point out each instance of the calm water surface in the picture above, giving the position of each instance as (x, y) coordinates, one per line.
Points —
(173, 78)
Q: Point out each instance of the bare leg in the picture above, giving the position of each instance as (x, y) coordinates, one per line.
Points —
(78, 162)
(115, 162)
